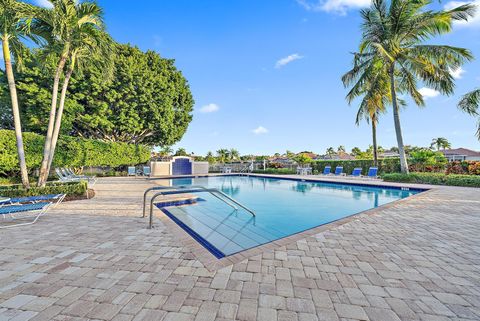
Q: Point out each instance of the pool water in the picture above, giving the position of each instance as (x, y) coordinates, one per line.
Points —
(282, 206)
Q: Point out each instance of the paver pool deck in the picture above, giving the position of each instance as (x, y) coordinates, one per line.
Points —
(417, 259)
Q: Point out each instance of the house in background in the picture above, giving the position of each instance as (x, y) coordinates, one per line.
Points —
(461, 154)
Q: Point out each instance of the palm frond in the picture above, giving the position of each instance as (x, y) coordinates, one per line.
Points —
(470, 103)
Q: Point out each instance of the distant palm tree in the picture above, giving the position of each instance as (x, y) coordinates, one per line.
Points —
(233, 154)
(63, 21)
(223, 155)
(15, 26)
(166, 151)
(395, 35)
(440, 143)
(341, 149)
(331, 151)
(470, 103)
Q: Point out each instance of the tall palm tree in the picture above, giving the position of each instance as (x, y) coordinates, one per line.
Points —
(62, 21)
(440, 143)
(470, 103)
(90, 45)
(395, 35)
(14, 26)
(373, 86)
(341, 149)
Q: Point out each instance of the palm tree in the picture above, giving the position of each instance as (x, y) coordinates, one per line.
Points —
(373, 86)
(234, 154)
(63, 21)
(223, 155)
(395, 36)
(341, 149)
(440, 142)
(330, 151)
(470, 103)
(15, 26)
(166, 151)
(89, 45)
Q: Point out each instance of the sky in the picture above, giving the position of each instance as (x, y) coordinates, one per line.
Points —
(265, 75)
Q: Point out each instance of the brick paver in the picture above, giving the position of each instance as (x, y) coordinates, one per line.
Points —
(418, 259)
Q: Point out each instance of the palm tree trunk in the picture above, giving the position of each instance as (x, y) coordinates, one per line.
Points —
(15, 111)
(58, 121)
(374, 137)
(42, 179)
(396, 120)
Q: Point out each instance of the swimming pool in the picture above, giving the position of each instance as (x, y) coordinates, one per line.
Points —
(283, 207)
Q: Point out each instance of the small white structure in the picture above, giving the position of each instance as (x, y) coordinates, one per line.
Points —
(179, 165)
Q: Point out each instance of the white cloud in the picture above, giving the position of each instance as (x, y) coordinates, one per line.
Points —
(43, 3)
(457, 73)
(260, 130)
(472, 22)
(288, 59)
(428, 92)
(210, 108)
(335, 6)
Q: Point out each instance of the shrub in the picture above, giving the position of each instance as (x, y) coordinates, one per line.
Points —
(386, 165)
(69, 188)
(427, 161)
(281, 171)
(434, 179)
(70, 152)
(463, 167)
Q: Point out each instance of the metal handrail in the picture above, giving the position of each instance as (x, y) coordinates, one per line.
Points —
(196, 189)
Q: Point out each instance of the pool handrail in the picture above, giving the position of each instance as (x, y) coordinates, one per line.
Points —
(192, 189)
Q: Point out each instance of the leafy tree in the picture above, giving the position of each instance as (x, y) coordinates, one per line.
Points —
(146, 101)
(15, 22)
(302, 159)
(395, 36)
(289, 154)
(440, 143)
(181, 152)
(470, 103)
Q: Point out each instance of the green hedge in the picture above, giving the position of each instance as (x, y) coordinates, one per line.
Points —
(282, 171)
(69, 188)
(386, 165)
(70, 152)
(434, 179)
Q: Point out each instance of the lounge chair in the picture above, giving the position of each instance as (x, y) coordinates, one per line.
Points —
(146, 171)
(327, 170)
(25, 213)
(55, 199)
(65, 178)
(132, 171)
(71, 174)
(357, 172)
(372, 172)
(339, 171)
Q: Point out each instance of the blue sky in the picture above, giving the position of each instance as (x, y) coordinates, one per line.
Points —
(265, 75)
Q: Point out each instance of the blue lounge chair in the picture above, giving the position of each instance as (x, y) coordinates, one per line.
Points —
(55, 199)
(25, 213)
(327, 170)
(357, 172)
(372, 172)
(132, 171)
(146, 171)
(339, 171)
